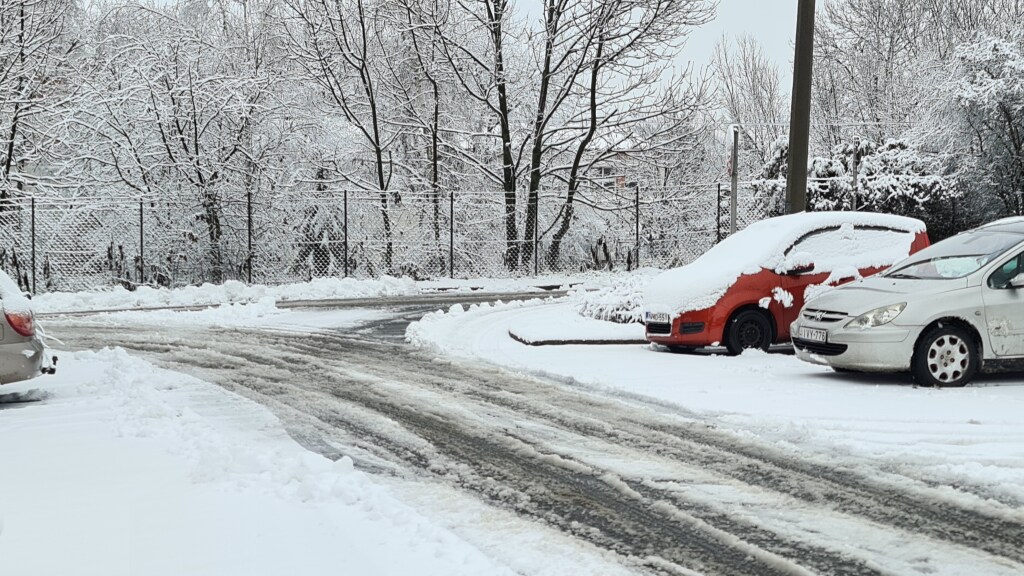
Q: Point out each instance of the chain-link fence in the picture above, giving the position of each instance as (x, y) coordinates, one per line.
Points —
(52, 244)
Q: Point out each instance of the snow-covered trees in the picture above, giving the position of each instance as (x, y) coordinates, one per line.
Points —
(984, 99)
(752, 97)
(517, 131)
(35, 85)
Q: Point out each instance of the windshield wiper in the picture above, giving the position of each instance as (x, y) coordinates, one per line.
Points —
(904, 276)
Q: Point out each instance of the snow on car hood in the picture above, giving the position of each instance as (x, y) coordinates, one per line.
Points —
(864, 295)
(701, 283)
(11, 297)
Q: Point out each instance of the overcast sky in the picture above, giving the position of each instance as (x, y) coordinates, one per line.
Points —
(772, 22)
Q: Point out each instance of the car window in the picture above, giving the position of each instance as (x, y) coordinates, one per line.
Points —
(1001, 276)
(957, 256)
(846, 245)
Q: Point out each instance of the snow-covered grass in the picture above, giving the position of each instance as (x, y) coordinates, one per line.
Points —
(126, 469)
(971, 435)
(234, 292)
(229, 292)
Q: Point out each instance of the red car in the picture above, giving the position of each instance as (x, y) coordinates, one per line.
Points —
(745, 292)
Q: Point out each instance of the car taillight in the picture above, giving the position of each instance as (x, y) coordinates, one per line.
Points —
(22, 323)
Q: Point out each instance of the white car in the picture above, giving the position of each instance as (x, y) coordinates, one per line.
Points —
(944, 313)
(22, 353)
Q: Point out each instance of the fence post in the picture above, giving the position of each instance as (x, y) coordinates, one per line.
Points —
(636, 203)
(345, 227)
(33, 244)
(451, 234)
(855, 167)
(142, 246)
(718, 214)
(248, 208)
(735, 180)
(536, 237)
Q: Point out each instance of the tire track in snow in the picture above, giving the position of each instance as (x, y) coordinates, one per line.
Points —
(317, 379)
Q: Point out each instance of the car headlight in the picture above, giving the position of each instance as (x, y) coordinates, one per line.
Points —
(877, 317)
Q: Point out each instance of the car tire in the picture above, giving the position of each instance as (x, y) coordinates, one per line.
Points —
(748, 329)
(946, 356)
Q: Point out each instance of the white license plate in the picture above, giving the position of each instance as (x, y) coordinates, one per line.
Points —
(659, 317)
(813, 334)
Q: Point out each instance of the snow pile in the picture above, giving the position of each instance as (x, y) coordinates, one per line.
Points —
(229, 292)
(11, 298)
(621, 301)
(564, 326)
(763, 244)
(129, 469)
(118, 298)
(440, 331)
(262, 312)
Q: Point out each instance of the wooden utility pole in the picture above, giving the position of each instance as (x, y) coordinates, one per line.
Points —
(800, 110)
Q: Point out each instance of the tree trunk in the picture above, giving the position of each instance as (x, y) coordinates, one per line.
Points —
(577, 161)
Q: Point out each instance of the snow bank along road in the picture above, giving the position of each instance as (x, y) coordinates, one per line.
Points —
(652, 483)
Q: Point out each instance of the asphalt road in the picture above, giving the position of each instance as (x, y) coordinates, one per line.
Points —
(659, 486)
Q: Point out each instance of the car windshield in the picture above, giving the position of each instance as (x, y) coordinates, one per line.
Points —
(956, 257)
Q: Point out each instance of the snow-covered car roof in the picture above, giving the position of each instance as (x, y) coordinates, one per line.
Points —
(764, 244)
(11, 297)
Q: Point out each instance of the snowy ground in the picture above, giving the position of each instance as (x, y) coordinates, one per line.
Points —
(124, 468)
(973, 435)
(117, 467)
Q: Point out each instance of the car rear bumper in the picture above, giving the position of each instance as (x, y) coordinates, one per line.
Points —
(21, 361)
(881, 349)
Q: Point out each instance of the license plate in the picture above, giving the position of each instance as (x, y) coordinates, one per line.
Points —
(659, 317)
(813, 334)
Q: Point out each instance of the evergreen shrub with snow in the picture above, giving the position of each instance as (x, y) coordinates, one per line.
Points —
(621, 302)
(892, 178)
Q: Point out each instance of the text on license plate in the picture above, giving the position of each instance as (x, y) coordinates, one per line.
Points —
(813, 334)
(661, 317)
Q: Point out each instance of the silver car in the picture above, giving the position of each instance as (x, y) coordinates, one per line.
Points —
(943, 314)
(22, 353)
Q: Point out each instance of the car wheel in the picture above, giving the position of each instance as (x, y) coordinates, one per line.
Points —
(946, 356)
(748, 329)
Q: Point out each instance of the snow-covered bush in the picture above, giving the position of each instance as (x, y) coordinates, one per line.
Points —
(621, 302)
(770, 183)
(893, 178)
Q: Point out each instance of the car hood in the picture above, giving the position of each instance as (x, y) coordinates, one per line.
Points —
(868, 294)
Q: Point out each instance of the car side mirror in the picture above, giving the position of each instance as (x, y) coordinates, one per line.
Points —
(798, 263)
(1016, 282)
